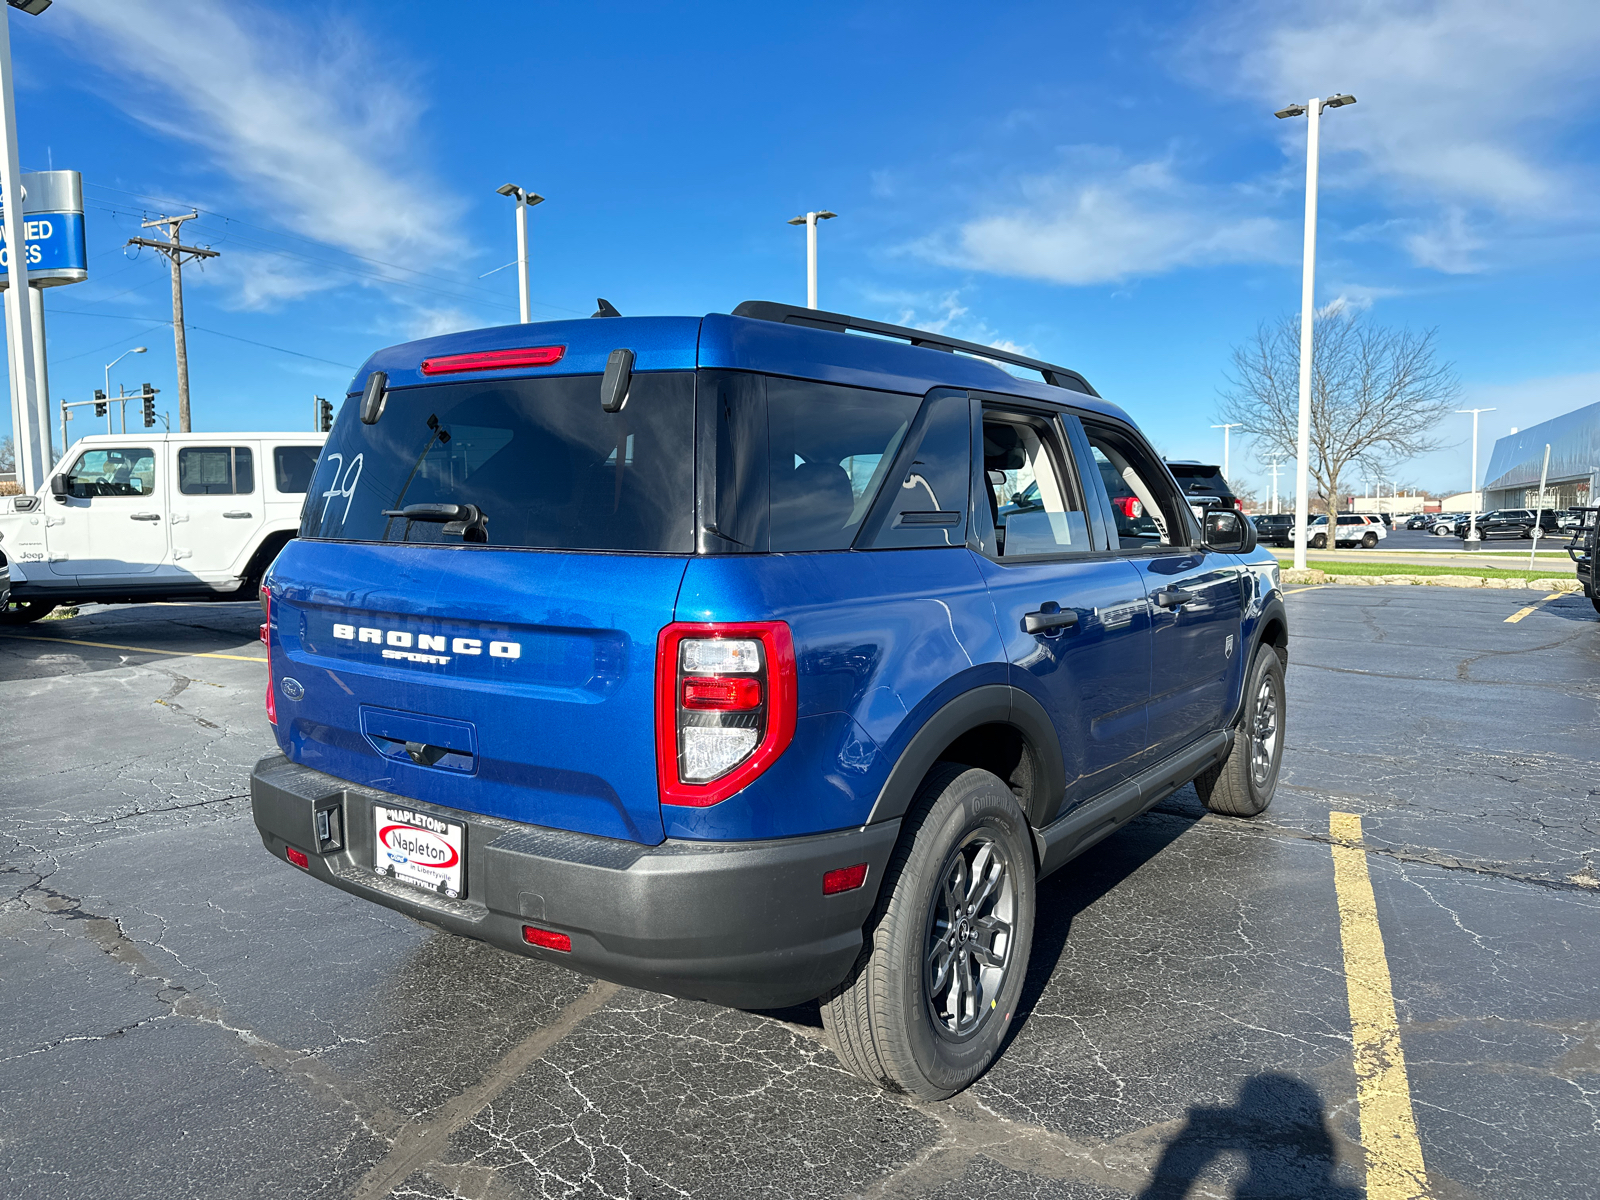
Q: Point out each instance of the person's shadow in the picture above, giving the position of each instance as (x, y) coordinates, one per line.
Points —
(1280, 1129)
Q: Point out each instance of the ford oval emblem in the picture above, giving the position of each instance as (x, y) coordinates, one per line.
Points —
(292, 689)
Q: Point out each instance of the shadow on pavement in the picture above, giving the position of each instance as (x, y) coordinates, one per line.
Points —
(1278, 1127)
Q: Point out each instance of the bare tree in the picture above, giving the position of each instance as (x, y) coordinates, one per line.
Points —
(1376, 397)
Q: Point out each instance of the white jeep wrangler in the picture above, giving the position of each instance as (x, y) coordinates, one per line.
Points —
(155, 516)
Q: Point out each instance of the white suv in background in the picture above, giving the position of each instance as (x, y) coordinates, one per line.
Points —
(155, 516)
(1355, 529)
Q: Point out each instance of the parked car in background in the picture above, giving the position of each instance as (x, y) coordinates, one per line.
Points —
(1275, 528)
(1354, 530)
(1383, 518)
(1584, 549)
(1510, 522)
(156, 516)
(1204, 485)
(1444, 524)
(1421, 520)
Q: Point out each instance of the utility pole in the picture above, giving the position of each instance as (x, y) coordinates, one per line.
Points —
(1472, 541)
(175, 253)
(809, 220)
(1312, 112)
(1274, 486)
(1226, 431)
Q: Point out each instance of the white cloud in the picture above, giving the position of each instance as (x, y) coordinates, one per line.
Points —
(1097, 221)
(1466, 104)
(257, 283)
(312, 125)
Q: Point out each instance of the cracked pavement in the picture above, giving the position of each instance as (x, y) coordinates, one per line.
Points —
(180, 1014)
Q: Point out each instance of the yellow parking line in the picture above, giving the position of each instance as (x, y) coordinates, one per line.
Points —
(1522, 612)
(1312, 588)
(1388, 1125)
(26, 637)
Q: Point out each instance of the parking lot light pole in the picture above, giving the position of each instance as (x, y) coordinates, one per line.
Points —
(1226, 462)
(1472, 541)
(809, 220)
(109, 365)
(525, 200)
(1312, 111)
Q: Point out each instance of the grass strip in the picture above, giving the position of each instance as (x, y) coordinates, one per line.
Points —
(1334, 567)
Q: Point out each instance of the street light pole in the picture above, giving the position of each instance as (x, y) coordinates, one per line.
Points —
(109, 365)
(1274, 465)
(1472, 541)
(1226, 462)
(525, 200)
(809, 220)
(1312, 111)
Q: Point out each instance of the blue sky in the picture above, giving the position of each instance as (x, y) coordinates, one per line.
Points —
(1102, 185)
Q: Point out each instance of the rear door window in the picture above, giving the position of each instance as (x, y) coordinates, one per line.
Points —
(532, 463)
(216, 471)
(1034, 503)
(924, 503)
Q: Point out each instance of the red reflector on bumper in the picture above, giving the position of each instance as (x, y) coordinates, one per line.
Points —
(549, 939)
(494, 360)
(298, 858)
(844, 879)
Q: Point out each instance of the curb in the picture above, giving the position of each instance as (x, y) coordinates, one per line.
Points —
(1311, 576)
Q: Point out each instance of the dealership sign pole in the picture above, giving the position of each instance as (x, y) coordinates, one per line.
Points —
(30, 447)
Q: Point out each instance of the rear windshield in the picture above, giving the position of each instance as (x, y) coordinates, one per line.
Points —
(525, 463)
(1199, 480)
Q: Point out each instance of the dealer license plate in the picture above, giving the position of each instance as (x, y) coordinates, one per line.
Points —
(419, 849)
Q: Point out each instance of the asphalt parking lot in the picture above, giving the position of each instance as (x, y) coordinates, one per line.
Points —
(181, 1015)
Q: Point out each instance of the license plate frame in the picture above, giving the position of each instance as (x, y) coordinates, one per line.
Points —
(420, 850)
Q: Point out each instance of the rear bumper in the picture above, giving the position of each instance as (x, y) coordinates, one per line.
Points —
(743, 924)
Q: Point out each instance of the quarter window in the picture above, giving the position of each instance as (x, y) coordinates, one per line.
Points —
(216, 471)
(292, 467)
(113, 472)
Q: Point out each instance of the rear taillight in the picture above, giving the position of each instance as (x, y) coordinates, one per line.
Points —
(726, 699)
(1129, 506)
(266, 640)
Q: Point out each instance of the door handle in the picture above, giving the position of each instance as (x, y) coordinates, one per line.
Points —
(1045, 620)
(1173, 597)
(144, 516)
(236, 515)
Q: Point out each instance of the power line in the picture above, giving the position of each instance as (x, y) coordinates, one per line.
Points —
(76, 312)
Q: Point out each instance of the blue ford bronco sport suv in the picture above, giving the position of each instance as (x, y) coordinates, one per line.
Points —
(751, 659)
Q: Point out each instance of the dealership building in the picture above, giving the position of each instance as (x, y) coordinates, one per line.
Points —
(1512, 480)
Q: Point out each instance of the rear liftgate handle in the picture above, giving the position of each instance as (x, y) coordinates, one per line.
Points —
(1049, 620)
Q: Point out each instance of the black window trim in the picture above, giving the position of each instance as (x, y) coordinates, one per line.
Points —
(882, 504)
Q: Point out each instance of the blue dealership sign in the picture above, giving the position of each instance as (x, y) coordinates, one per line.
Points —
(52, 227)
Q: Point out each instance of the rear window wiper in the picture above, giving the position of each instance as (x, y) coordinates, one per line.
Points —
(468, 520)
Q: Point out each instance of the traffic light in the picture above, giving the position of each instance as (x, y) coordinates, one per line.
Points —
(324, 415)
(99, 403)
(148, 394)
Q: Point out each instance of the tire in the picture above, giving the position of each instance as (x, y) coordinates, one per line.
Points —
(1242, 784)
(890, 1020)
(1369, 540)
(1443, 531)
(25, 612)
(1319, 541)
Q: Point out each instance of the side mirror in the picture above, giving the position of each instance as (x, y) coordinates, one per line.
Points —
(374, 396)
(1228, 532)
(59, 486)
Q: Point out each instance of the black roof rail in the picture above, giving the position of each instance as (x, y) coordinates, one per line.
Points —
(814, 318)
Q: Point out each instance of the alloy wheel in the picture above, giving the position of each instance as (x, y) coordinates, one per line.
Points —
(967, 951)
(1264, 733)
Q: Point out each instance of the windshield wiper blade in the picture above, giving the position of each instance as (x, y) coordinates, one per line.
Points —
(468, 520)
